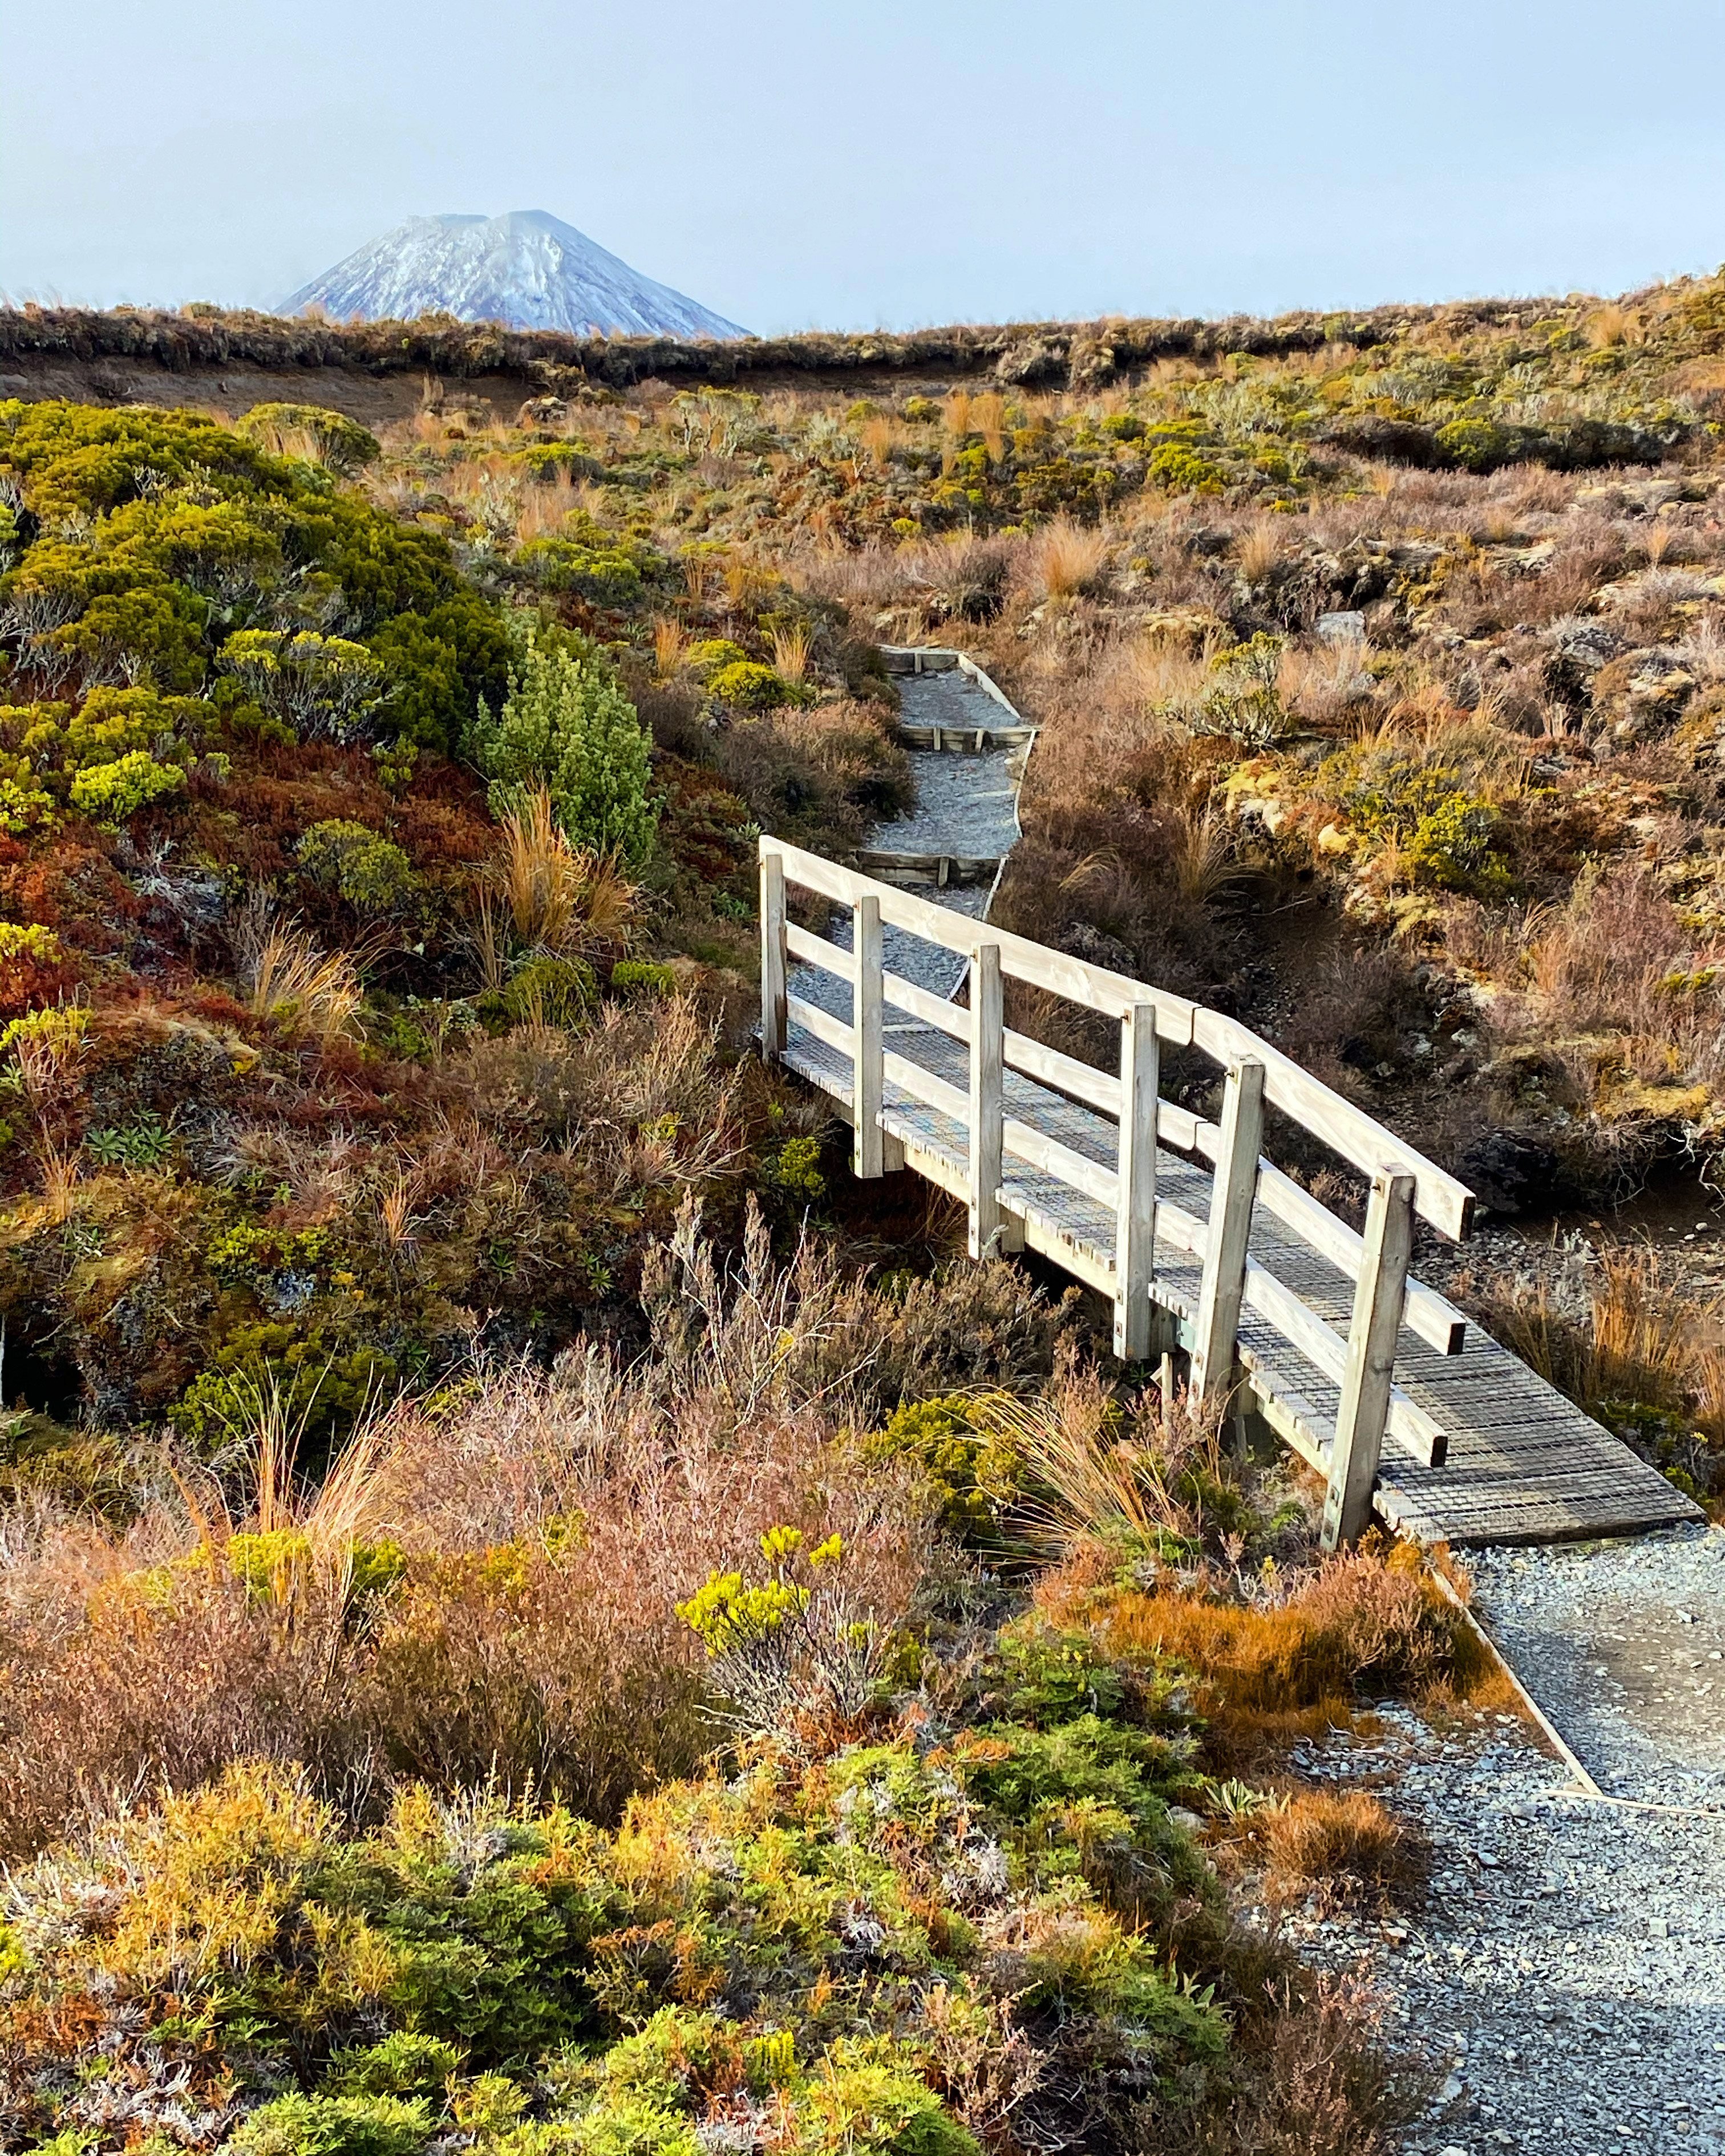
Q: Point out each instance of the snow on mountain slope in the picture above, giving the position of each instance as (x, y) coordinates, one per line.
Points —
(528, 270)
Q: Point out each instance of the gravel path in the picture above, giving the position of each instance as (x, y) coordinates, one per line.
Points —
(1622, 1644)
(1563, 1980)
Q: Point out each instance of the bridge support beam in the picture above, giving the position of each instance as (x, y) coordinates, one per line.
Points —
(988, 1100)
(1232, 1195)
(774, 1013)
(868, 1150)
(1364, 1405)
(1135, 1227)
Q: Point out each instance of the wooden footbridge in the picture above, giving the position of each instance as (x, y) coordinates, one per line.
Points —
(1201, 1244)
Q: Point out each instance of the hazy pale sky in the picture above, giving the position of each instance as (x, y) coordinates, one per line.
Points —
(867, 166)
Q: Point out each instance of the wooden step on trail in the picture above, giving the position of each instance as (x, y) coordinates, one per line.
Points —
(1200, 1242)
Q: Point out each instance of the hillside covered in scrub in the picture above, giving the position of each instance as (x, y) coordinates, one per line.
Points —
(536, 1616)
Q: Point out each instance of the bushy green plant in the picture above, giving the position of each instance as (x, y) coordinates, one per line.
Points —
(548, 990)
(1480, 445)
(1181, 469)
(337, 441)
(316, 684)
(607, 574)
(567, 725)
(110, 792)
(747, 686)
(369, 871)
(710, 655)
(643, 977)
(184, 536)
(336, 2126)
(1454, 848)
(971, 1464)
(28, 940)
(1244, 703)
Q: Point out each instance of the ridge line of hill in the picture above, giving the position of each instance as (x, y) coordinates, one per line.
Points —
(1082, 353)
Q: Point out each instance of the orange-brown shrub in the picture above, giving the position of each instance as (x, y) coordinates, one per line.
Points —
(1344, 1840)
(1355, 1622)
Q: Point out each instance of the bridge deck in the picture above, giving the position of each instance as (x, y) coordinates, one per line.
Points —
(1524, 1464)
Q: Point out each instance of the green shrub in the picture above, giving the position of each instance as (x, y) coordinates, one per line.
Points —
(23, 806)
(1454, 848)
(370, 872)
(109, 793)
(567, 725)
(606, 575)
(319, 685)
(643, 977)
(289, 430)
(322, 1381)
(548, 991)
(708, 654)
(973, 1469)
(547, 461)
(747, 686)
(403, 2064)
(1479, 445)
(1244, 703)
(336, 2126)
(160, 537)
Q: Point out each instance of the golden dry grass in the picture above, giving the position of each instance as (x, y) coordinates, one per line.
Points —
(1065, 557)
(1648, 1338)
(790, 652)
(559, 898)
(1261, 547)
(670, 641)
(299, 988)
(987, 417)
(1344, 1844)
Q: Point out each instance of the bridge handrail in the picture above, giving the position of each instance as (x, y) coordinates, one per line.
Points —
(1439, 1198)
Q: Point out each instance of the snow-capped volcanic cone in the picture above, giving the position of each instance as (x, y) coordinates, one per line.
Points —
(528, 270)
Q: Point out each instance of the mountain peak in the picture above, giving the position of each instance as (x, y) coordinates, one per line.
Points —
(527, 268)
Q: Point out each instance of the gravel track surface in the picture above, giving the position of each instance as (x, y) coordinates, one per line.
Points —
(1622, 1644)
(1563, 1980)
(1564, 1975)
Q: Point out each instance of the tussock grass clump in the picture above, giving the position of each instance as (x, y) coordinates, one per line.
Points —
(1342, 1843)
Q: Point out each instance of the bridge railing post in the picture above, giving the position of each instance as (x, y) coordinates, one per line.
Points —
(1215, 1350)
(1135, 1230)
(774, 1015)
(988, 1099)
(1364, 1405)
(868, 1153)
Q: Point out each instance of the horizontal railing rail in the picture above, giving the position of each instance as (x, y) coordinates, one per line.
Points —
(993, 1158)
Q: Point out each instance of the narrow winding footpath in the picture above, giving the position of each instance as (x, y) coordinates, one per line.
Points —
(966, 803)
